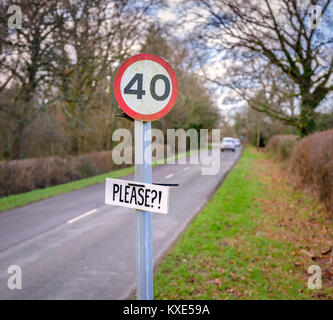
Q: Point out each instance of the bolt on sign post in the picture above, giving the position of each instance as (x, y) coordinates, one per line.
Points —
(146, 88)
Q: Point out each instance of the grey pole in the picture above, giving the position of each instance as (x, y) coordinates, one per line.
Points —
(143, 173)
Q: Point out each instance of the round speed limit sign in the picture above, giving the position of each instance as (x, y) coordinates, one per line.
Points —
(145, 87)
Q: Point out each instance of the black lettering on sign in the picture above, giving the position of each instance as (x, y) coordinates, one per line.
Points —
(115, 190)
(136, 194)
(141, 195)
(133, 196)
(159, 198)
(138, 91)
(166, 87)
(154, 196)
(126, 194)
(121, 199)
(147, 191)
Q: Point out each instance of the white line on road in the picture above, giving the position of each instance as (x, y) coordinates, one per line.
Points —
(187, 168)
(169, 176)
(82, 216)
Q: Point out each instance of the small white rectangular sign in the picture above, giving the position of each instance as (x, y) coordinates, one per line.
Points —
(137, 195)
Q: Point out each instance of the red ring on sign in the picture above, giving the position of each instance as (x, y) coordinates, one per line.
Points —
(122, 104)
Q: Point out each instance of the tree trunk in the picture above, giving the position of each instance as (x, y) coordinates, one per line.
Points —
(21, 144)
(75, 145)
(307, 121)
(18, 144)
(258, 135)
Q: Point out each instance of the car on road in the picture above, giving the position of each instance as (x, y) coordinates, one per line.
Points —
(237, 142)
(228, 143)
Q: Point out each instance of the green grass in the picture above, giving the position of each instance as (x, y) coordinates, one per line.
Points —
(18, 200)
(224, 255)
(21, 199)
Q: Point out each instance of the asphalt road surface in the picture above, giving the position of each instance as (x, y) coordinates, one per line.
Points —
(73, 246)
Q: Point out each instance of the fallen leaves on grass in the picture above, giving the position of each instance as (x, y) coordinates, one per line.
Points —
(235, 292)
(267, 239)
(297, 219)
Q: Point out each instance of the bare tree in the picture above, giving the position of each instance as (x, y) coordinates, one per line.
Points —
(26, 59)
(64, 55)
(252, 36)
(195, 106)
(98, 35)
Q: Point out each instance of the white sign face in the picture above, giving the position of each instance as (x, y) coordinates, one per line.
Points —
(137, 195)
(146, 87)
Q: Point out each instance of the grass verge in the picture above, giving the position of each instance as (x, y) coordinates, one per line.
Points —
(241, 246)
(22, 199)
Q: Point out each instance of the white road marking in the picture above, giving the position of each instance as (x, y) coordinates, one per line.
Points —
(82, 216)
(187, 168)
(169, 176)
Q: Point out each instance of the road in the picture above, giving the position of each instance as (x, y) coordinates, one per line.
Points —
(73, 246)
